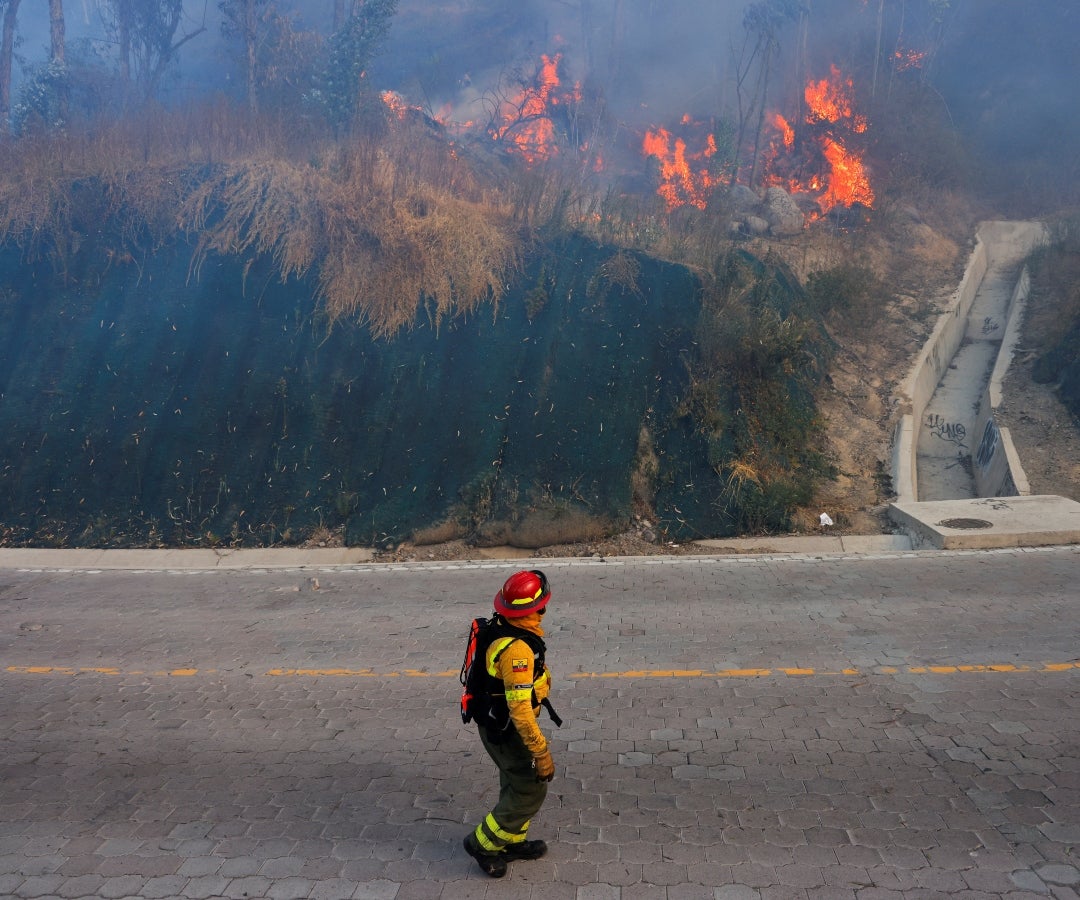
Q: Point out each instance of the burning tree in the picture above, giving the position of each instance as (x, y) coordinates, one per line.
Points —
(522, 113)
(818, 155)
(689, 163)
(763, 23)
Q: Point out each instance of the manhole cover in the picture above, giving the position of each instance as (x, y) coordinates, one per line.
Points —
(965, 523)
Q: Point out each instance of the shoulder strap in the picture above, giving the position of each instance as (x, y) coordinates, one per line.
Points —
(502, 628)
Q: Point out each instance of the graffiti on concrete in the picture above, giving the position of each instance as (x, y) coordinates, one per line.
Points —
(950, 432)
(988, 444)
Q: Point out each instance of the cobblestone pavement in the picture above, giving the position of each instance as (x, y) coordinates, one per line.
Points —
(892, 725)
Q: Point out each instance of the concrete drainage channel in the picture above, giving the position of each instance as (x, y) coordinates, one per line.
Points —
(958, 478)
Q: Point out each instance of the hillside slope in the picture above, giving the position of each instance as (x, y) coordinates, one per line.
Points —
(922, 265)
(145, 405)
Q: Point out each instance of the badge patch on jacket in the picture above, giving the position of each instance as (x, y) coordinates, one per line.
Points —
(520, 665)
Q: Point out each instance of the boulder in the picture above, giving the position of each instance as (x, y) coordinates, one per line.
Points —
(782, 212)
(808, 203)
(755, 225)
(743, 198)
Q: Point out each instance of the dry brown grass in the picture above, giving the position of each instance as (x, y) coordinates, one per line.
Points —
(125, 177)
(544, 527)
(441, 533)
(381, 239)
(386, 226)
(644, 474)
(390, 227)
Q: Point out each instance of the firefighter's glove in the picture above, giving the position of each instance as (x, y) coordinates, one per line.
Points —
(545, 766)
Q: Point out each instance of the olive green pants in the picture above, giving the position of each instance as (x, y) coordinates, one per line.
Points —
(520, 794)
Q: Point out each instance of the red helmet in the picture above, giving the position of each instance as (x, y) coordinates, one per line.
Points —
(523, 593)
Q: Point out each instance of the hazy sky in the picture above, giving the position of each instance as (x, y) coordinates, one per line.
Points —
(656, 60)
(654, 53)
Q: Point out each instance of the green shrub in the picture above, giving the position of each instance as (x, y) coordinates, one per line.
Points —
(849, 289)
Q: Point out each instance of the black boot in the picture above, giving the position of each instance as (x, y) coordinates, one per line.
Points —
(525, 850)
(493, 864)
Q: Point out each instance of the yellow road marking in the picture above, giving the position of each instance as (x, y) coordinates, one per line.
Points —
(104, 670)
(791, 672)
(804, 672)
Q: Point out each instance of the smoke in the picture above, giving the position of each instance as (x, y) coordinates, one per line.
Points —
(1011, 71)
(1002, 72)
(989, 82)
(649, 59)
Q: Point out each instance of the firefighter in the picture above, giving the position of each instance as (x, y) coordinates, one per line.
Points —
(513, 739)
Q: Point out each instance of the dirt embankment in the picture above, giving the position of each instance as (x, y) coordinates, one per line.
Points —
(1045, 433)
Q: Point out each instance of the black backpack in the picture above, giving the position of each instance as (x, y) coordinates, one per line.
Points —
(483, 696)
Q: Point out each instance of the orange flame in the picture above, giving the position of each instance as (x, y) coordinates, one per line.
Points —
(787, 133)
(822, 162)
(395, 103)
(684, 180)
(527, 119)
(908, 59)
(847, 180)
(818, 160)
(831, 100)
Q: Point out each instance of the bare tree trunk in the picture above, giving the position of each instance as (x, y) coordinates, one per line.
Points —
(802, 67)
(7, 47)
(56, 30)
(153, 79)
(339, 14)
(877, 49)
(586, 33)
(763, 92)
(57, 54)
(250, 30)
(252, 83)
(123, 36)
(899, 33)
(618, 40)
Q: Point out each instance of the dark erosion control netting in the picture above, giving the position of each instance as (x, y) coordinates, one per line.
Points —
(143, 406)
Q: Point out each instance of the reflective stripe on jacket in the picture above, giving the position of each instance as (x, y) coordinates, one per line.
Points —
(514, 666)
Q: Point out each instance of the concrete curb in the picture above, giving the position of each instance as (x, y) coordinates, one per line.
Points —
(279, 557)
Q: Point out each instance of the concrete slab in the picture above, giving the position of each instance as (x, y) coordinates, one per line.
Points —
(945, 478)
(990, 522)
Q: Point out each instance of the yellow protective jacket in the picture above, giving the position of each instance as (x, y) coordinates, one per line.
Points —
(515, 667)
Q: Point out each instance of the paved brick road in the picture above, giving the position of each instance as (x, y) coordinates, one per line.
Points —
(901, 725)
